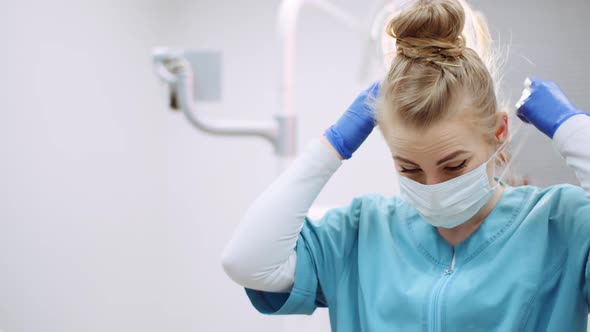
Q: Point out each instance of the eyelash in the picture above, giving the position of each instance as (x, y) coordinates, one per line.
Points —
(403, 170)
(458, 167)
(451, 169)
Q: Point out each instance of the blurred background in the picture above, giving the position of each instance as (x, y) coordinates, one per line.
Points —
(114, 210)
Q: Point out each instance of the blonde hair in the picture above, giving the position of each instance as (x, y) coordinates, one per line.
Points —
(439, 63)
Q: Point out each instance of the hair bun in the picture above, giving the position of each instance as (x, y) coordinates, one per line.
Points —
(430, 30)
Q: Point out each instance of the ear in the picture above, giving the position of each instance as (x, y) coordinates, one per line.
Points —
(501, 127)
(501, 136)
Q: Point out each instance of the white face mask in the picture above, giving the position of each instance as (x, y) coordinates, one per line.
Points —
(450, 203)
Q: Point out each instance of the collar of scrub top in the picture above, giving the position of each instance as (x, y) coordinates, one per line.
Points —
(503, 216)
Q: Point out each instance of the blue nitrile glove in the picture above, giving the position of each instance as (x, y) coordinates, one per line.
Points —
(545, 106)
(355, 125)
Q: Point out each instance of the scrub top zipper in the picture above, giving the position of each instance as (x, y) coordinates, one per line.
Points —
(437, 292)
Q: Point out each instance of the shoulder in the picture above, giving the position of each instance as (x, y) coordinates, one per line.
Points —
(366, 210)
(563, 212)
(375, 202)
(563, 205)
(556, 197)
(380, 209)
(568, 200)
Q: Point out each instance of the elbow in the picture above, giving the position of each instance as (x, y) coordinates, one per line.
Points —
(240, 269)
(230, 262)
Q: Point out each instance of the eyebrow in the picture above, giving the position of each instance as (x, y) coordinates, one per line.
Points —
(443, 160)
(404, 160)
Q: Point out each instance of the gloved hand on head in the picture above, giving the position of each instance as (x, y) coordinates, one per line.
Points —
(545, 105)
(356, 124)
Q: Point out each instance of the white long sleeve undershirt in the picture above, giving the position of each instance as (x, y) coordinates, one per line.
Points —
(261, 254)
(572, 140)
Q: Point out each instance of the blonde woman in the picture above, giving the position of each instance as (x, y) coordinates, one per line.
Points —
(459, 249)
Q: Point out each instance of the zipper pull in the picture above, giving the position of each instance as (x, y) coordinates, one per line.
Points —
(450, 269)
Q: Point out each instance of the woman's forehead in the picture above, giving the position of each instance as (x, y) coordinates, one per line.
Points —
(440, 138)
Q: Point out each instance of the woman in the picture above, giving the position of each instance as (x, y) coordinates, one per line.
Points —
(459, 250)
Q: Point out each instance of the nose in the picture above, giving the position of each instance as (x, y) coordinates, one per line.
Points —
(434, 178)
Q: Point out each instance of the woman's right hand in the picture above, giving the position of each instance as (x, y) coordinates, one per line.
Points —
(355, 125)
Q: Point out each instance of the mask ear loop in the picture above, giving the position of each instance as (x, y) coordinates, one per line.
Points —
(515, 150)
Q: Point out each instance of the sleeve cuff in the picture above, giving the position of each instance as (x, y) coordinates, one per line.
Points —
(569, 128)
(320, 152)
(302, 298)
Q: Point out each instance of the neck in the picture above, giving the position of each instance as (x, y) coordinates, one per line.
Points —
(458, 234)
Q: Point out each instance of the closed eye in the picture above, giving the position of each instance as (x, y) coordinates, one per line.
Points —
(410, 170)
(458, 167)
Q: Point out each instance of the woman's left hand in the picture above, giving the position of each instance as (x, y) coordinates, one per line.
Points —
(545, 105)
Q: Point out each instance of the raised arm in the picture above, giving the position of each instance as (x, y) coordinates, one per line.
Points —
(546, 106)
(261, 254)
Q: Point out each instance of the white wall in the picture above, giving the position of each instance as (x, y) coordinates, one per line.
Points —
(83, 187)
(114, 210)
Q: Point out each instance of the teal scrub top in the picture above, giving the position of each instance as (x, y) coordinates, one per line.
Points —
(378, 266)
